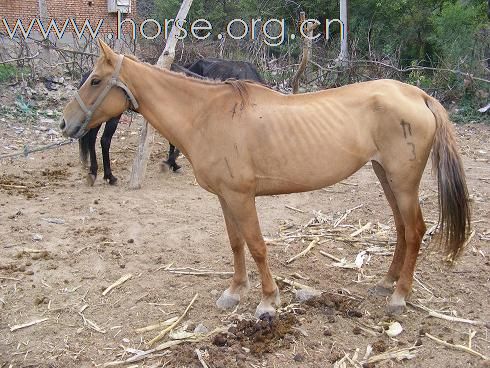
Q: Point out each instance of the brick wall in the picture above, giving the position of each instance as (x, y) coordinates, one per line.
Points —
(93, 10)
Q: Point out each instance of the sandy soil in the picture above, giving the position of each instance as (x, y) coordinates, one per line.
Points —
(63, 243)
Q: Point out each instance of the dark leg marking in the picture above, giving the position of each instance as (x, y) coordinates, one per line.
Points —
(173, 154)
(105, 142)
(405, 124)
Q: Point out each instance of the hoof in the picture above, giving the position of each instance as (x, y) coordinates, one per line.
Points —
(264, 309)
(393, 309)
(176, 168)
(164, 166)
(228, 300)
(91, 179)
(380, 290)
(112, 180)
(267, 305)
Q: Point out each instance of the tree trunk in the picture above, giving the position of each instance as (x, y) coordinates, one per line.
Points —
(306, 54)
(344, 18)
(148, 132)
(44, 53)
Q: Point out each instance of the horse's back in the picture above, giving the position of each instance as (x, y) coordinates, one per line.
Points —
(304, 142)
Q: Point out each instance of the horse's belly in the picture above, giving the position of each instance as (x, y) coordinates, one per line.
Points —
(312, 174)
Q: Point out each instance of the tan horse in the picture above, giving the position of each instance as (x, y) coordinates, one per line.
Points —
(245, 140)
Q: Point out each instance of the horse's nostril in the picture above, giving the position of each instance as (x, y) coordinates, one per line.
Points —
(62, 124)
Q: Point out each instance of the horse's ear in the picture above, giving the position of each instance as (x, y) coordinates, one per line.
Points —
(106, 51)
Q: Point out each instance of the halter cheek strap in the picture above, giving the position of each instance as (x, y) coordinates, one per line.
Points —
(114, 81)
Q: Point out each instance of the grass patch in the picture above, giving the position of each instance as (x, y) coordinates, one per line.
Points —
(467, 112)
(9, 72)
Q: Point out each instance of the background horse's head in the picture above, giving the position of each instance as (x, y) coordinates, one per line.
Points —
(100, 98)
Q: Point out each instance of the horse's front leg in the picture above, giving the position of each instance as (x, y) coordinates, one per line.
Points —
(105, 142)
(242, 208)
(92, 138)
(231, 296)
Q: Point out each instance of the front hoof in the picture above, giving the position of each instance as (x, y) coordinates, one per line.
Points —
(267, 305)
(91, 179)
(177, 168)
(265, 309)
(228, 300)
(393, 309)
(380, 290)
(112, 180)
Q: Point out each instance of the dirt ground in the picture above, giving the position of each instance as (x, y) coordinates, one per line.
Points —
(63, 243)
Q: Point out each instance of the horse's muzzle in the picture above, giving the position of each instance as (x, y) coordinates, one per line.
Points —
(67, 132)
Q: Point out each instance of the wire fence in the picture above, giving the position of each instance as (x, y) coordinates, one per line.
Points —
(27, 151)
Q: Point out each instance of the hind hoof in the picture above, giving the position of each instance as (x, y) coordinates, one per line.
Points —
(395, 309)
(91, 180)
(380, 290)
(228, 300)
(164, 166)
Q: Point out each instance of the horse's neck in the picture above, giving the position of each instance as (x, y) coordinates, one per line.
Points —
(172, 104)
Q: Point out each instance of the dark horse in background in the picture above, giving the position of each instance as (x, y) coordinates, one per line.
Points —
(211, 68)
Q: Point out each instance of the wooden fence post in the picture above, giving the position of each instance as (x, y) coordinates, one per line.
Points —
(306, 55)
(148, 132)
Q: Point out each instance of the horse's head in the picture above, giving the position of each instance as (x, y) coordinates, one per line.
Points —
(103, 96)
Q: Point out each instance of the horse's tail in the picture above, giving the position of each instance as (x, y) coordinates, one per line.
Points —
(83, 144)
(454, 208)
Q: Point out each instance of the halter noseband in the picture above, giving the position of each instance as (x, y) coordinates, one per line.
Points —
(114, 81)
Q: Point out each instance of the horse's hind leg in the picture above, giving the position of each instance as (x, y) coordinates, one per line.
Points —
(231, 296)
(408, 203)
(105, 142)
(171, 162)
(173, 154)
(385, 285)
(402, 194)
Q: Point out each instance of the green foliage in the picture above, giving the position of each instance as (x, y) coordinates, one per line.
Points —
(392, 28)
(450, 34)
(7, 72)
(455, 28)
(467, 112)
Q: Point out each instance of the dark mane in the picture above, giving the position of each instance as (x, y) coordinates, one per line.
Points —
(240, 87)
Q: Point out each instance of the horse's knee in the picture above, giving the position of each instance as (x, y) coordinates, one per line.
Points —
(237, 243)
(413, 237)
(259, 253)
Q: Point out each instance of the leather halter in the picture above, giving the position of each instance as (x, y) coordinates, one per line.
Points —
(114, 81)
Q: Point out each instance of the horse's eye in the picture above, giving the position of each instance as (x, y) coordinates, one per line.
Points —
(95, 82)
